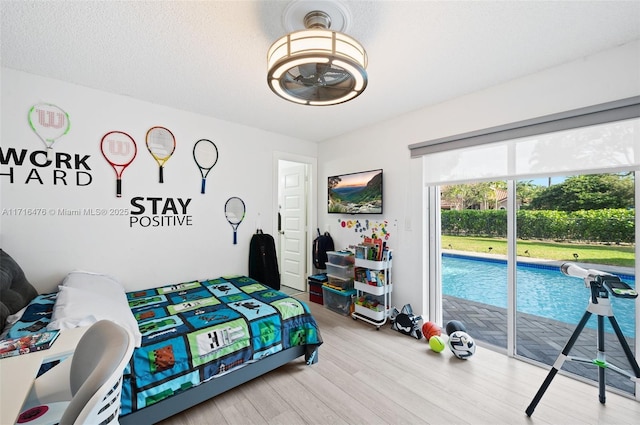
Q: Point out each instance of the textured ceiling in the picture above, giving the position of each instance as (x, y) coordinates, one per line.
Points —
(209, 57)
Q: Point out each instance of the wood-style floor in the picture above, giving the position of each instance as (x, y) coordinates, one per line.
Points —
(366, 376)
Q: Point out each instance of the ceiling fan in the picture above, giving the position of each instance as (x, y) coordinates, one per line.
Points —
(318, 81)
(316, 65)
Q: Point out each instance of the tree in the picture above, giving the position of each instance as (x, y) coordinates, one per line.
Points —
(485, 195)
(587, 192)
(334, 181)
(526, 191)
(470, 196)
(455, 195)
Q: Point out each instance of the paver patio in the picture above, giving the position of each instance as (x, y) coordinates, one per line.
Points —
(541, 339)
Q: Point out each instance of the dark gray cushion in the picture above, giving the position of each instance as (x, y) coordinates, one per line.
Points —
(15, 290)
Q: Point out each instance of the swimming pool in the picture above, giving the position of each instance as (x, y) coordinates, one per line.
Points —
(542, 290)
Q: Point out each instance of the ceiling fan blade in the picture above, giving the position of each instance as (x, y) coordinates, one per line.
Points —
(317, 92)
(307, 70)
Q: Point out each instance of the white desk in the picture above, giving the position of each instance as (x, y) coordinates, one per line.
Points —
(17, 373)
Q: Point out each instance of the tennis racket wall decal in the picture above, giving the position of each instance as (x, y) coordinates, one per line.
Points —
(49, 122)
(161, 144)
(234, 210)
(205, 154)
(119, 149)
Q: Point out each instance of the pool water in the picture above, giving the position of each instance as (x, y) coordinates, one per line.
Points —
(542, 290)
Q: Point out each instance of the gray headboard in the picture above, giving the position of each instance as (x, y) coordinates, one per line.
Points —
(15, 290)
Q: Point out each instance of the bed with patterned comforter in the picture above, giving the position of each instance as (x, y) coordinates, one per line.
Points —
(194, 331)
(200, 338)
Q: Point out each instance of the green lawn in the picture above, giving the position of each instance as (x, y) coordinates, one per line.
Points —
(614, 255)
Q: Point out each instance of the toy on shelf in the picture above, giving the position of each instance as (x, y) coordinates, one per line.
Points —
(373, 288)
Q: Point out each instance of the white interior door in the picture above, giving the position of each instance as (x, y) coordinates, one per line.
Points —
(293, 235)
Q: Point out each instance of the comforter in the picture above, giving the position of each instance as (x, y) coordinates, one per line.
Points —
(195, 331)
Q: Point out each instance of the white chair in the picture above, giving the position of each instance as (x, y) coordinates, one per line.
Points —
(85, 389)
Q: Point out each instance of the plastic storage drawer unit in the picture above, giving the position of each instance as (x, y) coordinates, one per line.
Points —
(341, 272)
(338, 301)
(340, 284)
(341, 258)
(315, 288)
(315, 294)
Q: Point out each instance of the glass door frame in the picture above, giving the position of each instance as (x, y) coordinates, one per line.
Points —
(432, 268)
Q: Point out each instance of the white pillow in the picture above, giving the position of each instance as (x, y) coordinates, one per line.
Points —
(85, 298)
(92, 281)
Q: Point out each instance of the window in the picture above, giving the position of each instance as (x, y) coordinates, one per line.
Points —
(602, 139)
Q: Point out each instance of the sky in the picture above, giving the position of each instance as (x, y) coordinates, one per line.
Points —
(545, 180)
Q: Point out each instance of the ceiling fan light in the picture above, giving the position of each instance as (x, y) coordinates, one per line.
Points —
(317, 66)
(283, 66)
(275, 86)
(343, 99)
(359, 77)
(311, 40)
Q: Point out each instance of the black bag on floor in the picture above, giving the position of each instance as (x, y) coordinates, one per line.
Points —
(263, 262)
(321, 245)
(406, 322)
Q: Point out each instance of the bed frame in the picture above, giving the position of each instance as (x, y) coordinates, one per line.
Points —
(207, 390)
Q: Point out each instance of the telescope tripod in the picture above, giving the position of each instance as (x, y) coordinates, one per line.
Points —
(599, 304)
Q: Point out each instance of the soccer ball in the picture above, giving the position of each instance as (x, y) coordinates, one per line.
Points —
(461, 344)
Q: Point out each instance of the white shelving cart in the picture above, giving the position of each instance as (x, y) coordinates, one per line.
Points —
(375, 291)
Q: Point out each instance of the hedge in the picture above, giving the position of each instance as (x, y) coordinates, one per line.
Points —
(606, 225)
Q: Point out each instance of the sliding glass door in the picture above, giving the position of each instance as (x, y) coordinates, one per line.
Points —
(502, 255)
(583, 222)
(474, 272)
(571, 197)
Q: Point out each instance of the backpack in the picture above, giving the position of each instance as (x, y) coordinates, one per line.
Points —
(263, 262)
(321, 245)
(406, 322)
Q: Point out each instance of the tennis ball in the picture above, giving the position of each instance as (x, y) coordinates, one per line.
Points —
(436, 343)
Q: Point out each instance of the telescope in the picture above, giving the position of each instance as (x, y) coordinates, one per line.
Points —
(601, 283)
(600, 279)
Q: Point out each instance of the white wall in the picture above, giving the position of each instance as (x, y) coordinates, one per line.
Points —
(49, 246)
(607, 76)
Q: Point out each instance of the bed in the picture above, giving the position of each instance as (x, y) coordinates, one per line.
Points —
(194, 339)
